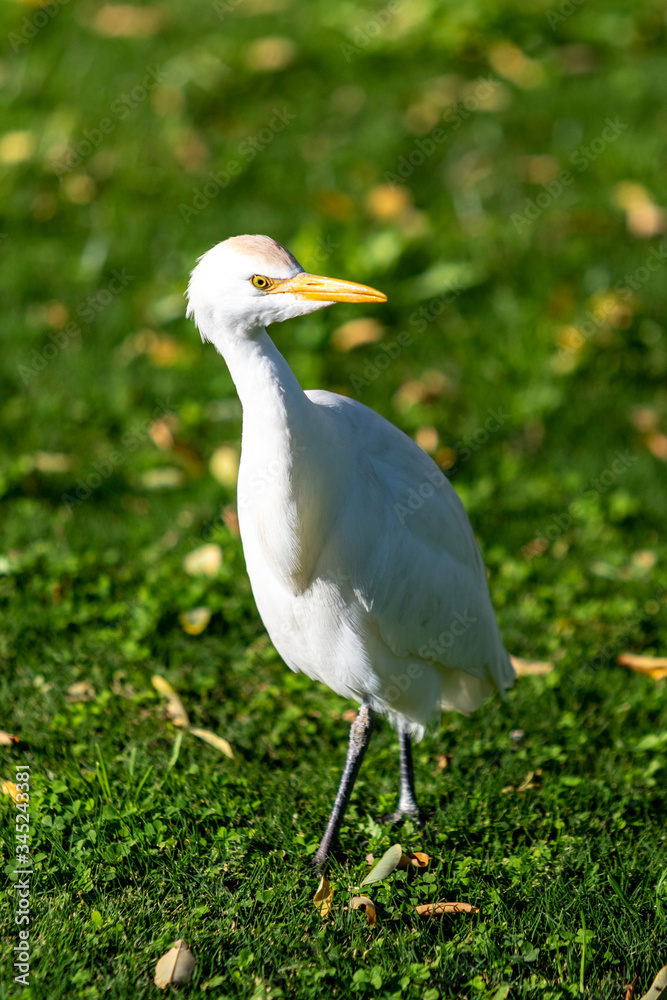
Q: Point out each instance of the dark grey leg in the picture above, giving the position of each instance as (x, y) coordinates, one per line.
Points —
(360, 737)
(407, 801)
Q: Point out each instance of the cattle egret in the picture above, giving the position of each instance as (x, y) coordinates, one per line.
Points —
(361, 557)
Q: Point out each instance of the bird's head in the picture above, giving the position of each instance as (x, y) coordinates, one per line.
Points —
(249, 282)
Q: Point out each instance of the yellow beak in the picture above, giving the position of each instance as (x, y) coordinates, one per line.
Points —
(319, 289)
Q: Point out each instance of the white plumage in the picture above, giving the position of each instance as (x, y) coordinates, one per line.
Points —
(361, 557)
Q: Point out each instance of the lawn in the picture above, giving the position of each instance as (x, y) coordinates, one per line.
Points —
(499, 170)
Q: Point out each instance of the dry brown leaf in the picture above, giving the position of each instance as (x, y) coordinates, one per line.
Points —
(323, 898)
(203, 561)
(355, 333)
(526, 668)
(176, 966)
(231, 520)
(630, 990)
(658, 988)
(443, 760)
(9, 788)
(654, 666)
(214, 741)
(366, 904)
(175, 708)
(195, 621)
(437, 909)
(81, 691)
(413, 859)
(6, 739)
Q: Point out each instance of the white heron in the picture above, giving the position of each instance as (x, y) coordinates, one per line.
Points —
(362, 560)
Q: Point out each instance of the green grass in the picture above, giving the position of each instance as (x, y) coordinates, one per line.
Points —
(141, 834)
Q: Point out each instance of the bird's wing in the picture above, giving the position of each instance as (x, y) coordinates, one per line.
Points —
(410, 553)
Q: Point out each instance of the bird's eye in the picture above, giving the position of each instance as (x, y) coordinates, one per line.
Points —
(259, 281)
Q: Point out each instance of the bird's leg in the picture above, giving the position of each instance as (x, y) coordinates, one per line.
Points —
(407, 801)
(360, 737)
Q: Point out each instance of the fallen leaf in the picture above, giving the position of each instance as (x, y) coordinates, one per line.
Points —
(524, 668)
(630, 990)
(231, 520)
(355, 333)
(204, 561)
(323, 897)
(81, 691)
(215, 741)
(224, 465)
(413, 859)
(195, 621)
(349, 715)
(366, 904)
(658, 988)
(176, 966)
(165, 477)
(532, 780)
(9, 788)
(437, 909)
(385, 866)
(654, 666)
(6, 739)
(175, 708)
(443, 760)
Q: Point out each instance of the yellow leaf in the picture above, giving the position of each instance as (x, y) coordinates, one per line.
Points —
(366, 904)
(437, 909)
(654, 666)
(525, 668)
(204, 561)
(6, 739)
(385, 866)
(215, 741)
(355, 333)
(224, 465)
(81, 691)
(176, 966)
(175, 708)
(658, 988)
(9, 788)
(323, 897)
(122, 20)
(195, 621)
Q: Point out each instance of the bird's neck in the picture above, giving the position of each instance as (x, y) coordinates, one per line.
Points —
(286, 493)
(270, 394)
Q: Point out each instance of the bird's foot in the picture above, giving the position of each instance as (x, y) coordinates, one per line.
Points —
(402, 814)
